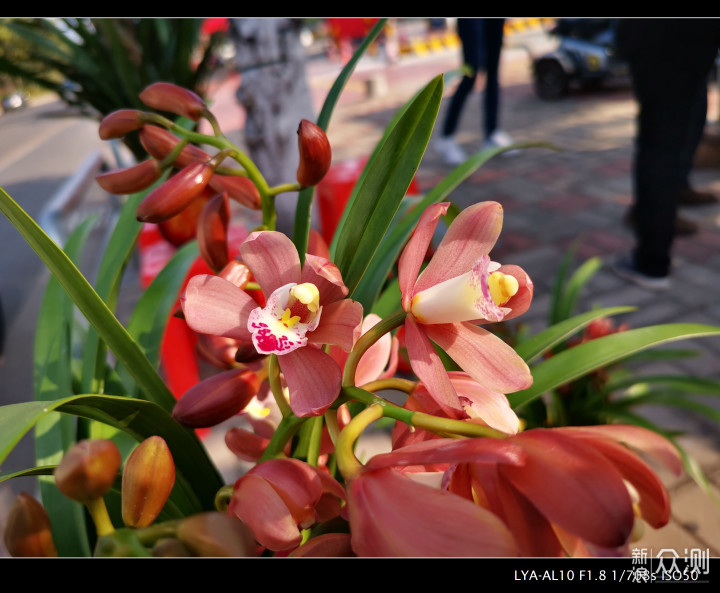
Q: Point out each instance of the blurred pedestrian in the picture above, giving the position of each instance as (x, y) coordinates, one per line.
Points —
(482, 40)
(670, 61)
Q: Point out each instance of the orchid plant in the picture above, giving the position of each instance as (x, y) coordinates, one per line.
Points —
(315, 331)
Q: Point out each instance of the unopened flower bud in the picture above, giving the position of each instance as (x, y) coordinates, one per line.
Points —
(119, 123)
(212, 231)
(315, 153)
(236, 272)
(88, 469)
(216, 399)
(214, 534)
(131, 179)
(239, 188)
(159, 143)
(148, 480)
(170, 198)
(165, 96)
(181, 228)
(27, 530)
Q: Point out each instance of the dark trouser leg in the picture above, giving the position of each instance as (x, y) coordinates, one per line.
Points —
(666, 98)
(468, 32)
(492, 39)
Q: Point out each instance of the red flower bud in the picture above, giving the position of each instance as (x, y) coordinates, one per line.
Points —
(236, 272)
(27, 530)
(214, 534)
(165, 96)
(88, 470)
(148, 480)
(131, 179)
(239, 188)
(159, 143)
(175, 194)
(216, 399)
(315, 153)
(120, 122)
(212, 232)
(182, 227)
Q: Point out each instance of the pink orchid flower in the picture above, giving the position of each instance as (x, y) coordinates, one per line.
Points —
(460, 289)
(579, 491)
(305, 307)
(560, 490)
(391, 514)
(279, 497)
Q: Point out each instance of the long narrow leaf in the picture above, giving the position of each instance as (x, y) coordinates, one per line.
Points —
(534, 347)
(380, 191)
(90, 304)
(585, 358)
(138, 418)
(52, 370)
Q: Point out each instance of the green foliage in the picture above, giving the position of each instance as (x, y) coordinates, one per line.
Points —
(108, 60)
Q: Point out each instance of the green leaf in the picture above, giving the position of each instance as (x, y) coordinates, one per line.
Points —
(302, 217)
(567, 299)
(90, 304)
(380, 190)
(149, 317)
(197, 477)
(584, 358)
(534, 347)
(52, 368)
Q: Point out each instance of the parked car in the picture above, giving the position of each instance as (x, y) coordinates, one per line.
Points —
(585, 57)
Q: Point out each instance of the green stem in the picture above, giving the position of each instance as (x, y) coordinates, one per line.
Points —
(276, 386)
(316, 427)
(435, 424)
(368, 339)
(348, 464)
(283, 433)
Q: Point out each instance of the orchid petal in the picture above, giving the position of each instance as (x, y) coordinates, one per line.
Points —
(574, 486)
(375, 360)
(482, 355)
(341, 325)
(416, 249)
(483, 404)
(478, 450)
(392, 515)
(212, 305)
(654, 498)
(296, 482)
(520, 302)
(470, 236)
(261, 508)
(326, 276)
(314, 380)
(426, 364)
(272, 258)
(639, 438)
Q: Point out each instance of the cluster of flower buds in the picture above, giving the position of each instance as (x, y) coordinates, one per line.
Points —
(194, 200)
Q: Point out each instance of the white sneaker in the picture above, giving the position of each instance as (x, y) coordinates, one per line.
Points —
(624, 266)
(450, 151)
(499, 139)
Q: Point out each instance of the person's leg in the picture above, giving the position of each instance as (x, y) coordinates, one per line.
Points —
(493, 32)
(467, 31)
(665, 97)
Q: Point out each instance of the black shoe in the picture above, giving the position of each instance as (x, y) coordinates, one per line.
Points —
(691, 197)
(624, 266)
